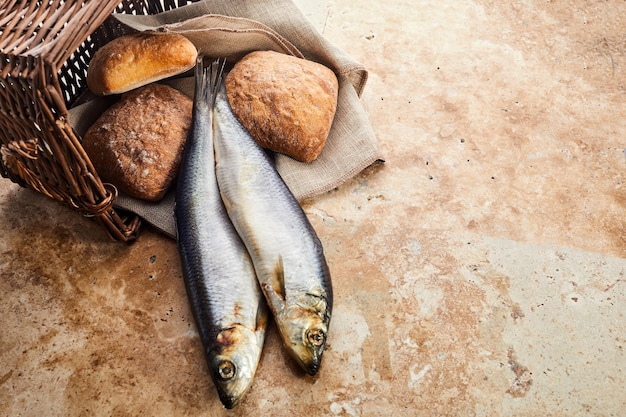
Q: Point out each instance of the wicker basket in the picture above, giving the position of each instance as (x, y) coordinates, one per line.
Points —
(45, 48)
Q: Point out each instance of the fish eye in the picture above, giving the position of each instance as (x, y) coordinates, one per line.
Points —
(226, 370)
(315, 337)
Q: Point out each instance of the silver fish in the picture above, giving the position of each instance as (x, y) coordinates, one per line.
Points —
(228, 306)
(286, 252)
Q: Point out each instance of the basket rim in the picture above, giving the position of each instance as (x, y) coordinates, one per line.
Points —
(49, 34)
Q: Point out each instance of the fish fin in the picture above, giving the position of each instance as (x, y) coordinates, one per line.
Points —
(275, 289)
(261, 317)
(278, 278)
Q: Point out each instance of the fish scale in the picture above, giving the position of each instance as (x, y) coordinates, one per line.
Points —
(287, 254)
(223, 292)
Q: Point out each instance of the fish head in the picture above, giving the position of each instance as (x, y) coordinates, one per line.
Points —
(233, 361)
(304, 329)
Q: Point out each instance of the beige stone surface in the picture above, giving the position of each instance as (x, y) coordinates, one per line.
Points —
(478, 272)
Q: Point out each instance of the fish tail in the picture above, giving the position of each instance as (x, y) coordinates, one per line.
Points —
(208, 80)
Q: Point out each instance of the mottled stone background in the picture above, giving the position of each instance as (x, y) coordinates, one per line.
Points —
(478, 272)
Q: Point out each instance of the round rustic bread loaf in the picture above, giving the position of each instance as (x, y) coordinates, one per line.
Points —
(287, 103)
(134, 60)
(137, 143)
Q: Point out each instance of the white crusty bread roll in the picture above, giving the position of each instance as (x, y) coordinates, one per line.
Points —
(135, 60)
(287, 104)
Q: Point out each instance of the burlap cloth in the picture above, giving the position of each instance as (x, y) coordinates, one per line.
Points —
(231, 29)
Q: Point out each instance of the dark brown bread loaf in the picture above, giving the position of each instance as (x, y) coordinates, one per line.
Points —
(137, 143)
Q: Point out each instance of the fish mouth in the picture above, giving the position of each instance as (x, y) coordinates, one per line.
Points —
(313, 367)
(310, 363)
(228, 401)
(307, 356)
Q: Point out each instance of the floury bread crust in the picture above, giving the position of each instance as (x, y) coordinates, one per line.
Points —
(287, 104)
(132, 61)
(137, 143)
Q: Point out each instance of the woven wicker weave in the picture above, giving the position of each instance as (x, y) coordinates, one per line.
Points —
(45, 48)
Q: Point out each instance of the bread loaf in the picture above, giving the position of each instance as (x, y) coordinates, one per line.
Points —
(138, 59)
(137, 143)
(287, 104)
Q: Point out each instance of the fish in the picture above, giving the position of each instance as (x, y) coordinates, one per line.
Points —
(285, 249)
(228, 307)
